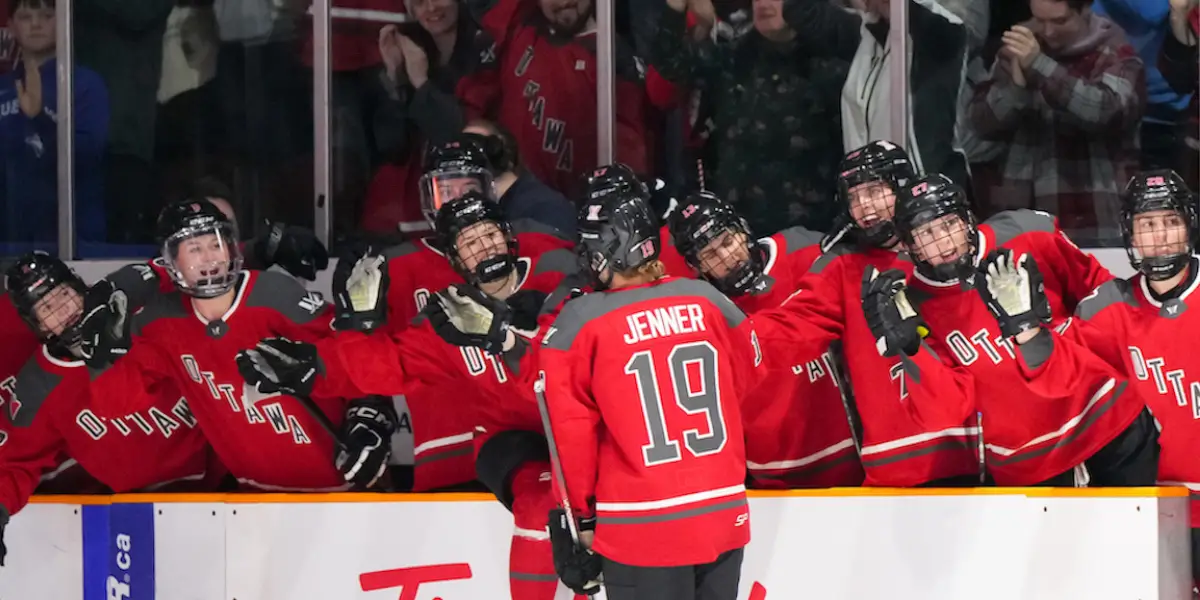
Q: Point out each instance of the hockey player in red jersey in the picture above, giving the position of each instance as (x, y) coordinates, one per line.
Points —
(619, 178)
(192, 336)
(510, 449)
(1137, 330)
(48, 406)
(547, 84)
(909, 436)
(657, 486)
(1031, 434)
(797, 431)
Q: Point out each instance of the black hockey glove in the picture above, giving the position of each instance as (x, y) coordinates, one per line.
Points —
(367, 435)
(279, 365)
(105, 326)
(296, 249)
(897, 328)
(526, 305)
(360, 288)
(3, 524)
(462, 315)
(1013, 290)
(577, 566)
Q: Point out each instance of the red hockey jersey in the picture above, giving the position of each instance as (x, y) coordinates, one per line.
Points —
(1149, 343)
(797, 431)
(664, 476)
(155, 446)
(676, 264)
(442, 432)
(1030, 433)
(269, 443)
(909, 435)
(548, 96)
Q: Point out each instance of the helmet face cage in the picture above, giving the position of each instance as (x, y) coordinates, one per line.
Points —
(881, 163)
(477, 239)
(923, 226)
(717, 243)
(1165, 251)
(203, 257)
(441, 186)
(48, 296)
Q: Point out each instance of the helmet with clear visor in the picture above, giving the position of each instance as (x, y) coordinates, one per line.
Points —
(451, 170)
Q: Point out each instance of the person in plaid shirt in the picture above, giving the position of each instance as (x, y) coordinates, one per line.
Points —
(1067, 92)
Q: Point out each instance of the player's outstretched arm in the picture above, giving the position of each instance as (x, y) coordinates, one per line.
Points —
(27, 453)
(806, 322)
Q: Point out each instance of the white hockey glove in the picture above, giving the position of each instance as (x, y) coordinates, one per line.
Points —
(360, 294)
(1013, 291)
(462, 315)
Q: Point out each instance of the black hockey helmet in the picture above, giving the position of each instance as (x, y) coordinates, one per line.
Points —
(617, 232)
(878, 161)
(1161, 189)
(923, 201)
(452, 169)
(38, 279)
(702, 219)
(616, 178)
(460, 214)
(209, 269)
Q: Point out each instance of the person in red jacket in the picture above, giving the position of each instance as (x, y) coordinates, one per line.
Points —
(191, 337)
(1064, 435)
(48, 404)
(909, 435)
(546, 52)
(656, 486)
(1135, 330)
(797, 432)
(510, 453)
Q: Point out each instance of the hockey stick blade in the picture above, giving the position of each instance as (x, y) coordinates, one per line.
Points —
(560, 483)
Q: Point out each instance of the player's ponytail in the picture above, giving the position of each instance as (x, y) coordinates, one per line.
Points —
(647, 272)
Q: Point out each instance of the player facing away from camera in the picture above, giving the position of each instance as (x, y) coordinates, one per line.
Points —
(192, 336)
(644, 380)
(797, 433)
(479, 387)
(1142, 327)
(52, 427)
(908, 436)
(1032, 434)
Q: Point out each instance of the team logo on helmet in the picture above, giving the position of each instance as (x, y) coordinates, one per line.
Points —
(647, 248)
(594, 212)
(1158, 180)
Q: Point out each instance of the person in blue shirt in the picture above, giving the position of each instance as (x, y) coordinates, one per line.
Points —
(1145, 24)
(28, 136)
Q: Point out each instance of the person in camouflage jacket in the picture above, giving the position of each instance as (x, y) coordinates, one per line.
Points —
(775, 110)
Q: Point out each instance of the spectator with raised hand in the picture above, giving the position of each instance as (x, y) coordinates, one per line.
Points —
(776, 112)
(937, 58)
(1146, 25)
(1067, 92)
(547, 87)
(427, 64)
(29, 135)
(1177, 63)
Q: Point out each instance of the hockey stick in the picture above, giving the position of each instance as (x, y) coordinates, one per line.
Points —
(560, 483)
(309, 405)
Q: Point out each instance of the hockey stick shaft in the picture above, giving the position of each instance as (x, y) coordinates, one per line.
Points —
(560, 483)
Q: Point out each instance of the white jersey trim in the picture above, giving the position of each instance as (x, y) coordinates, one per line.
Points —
(280, 488)
(800, 462)
(362, 14)
(1061, 431)
(670, 502)
(919, 439)
(443, 442)
(531, 534)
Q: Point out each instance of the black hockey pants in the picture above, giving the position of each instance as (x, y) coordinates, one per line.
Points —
(717, 580)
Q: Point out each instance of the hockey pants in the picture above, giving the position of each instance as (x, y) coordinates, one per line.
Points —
(530, 559)
(1130, 460)
(717, 580)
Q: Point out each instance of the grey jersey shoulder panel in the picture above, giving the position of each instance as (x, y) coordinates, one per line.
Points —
(33, 387)
(139, 282)
(159, 306)
(1114, 291)
(400, 250)
(557, 261)
(584, 309)
(798, 238)
(286, 296)
(521, 226)
(1012, 223)
(838, 250)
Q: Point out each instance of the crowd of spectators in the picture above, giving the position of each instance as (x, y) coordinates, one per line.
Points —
(1045, 104)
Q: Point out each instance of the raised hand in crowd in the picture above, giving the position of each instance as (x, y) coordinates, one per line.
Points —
(1022, 45)
(416, 62)
(29, 91)
(391, 51)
